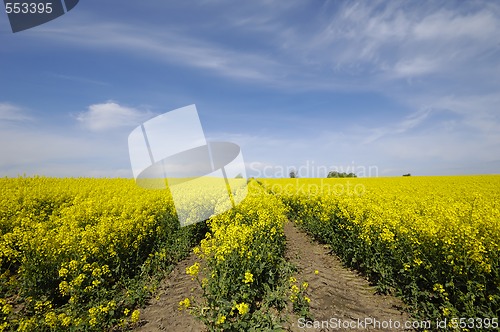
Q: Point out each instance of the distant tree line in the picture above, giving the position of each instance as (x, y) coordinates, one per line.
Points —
(332, 174)
(335, 174)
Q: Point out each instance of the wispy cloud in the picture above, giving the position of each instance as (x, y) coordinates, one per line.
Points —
(437, 63)
(110, 115)
(355, 45)
(170, 47)
(13, 113)
(59, 152)
(479, 112)
(451, 25)
(79, 79)
(33, 147)
(397, 127)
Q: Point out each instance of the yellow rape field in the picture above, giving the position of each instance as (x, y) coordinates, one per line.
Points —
(75, 254)
(433, 240)
(246, 280)
(78, 254)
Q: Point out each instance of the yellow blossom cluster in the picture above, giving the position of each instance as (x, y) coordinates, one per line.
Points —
(66, 243)
(193, 270)
(242, 308)
(434, 239)
(243, 253)
(248, 278)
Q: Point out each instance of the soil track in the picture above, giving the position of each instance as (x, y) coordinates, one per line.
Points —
(336, 293)
(162, 312)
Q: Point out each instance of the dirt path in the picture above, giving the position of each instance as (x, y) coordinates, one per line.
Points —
(162, 313)
(336, 294)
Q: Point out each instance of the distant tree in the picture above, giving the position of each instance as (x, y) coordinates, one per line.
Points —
(335, 174)
(293, 174)
(408, 174)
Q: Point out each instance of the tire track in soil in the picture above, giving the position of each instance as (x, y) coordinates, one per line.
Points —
(162, 312)
(336, 292)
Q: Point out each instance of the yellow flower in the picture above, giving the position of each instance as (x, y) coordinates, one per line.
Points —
(6, 309)
(184, 304)
(248, 278)
(308, 300)
(438, 288)
(78, 280)
(134, 318)
(193, 269)
(316, 272)
(63, 272)
(242, 308)
(126, 311)
(220, 320)
(51, 319)
(65, 320)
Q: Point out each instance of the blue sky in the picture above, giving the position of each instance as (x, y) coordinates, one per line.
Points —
(397, 87)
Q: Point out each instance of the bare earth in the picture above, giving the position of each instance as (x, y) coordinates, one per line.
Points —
(337, 294)
(162, 313)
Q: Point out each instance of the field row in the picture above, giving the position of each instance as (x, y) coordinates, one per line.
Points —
(246, 281)
(84, 254)
(435, 241)
(78, 254)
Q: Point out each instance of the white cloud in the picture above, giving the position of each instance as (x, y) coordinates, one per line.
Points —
(110, 115)
(62, 152)
(359, 46)
(397, 127)
(415, 67)
(170, 47)
(449, 25)
(9, 112)
(479, 112)
(78, 79)
(389, 41)
(430, 57)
